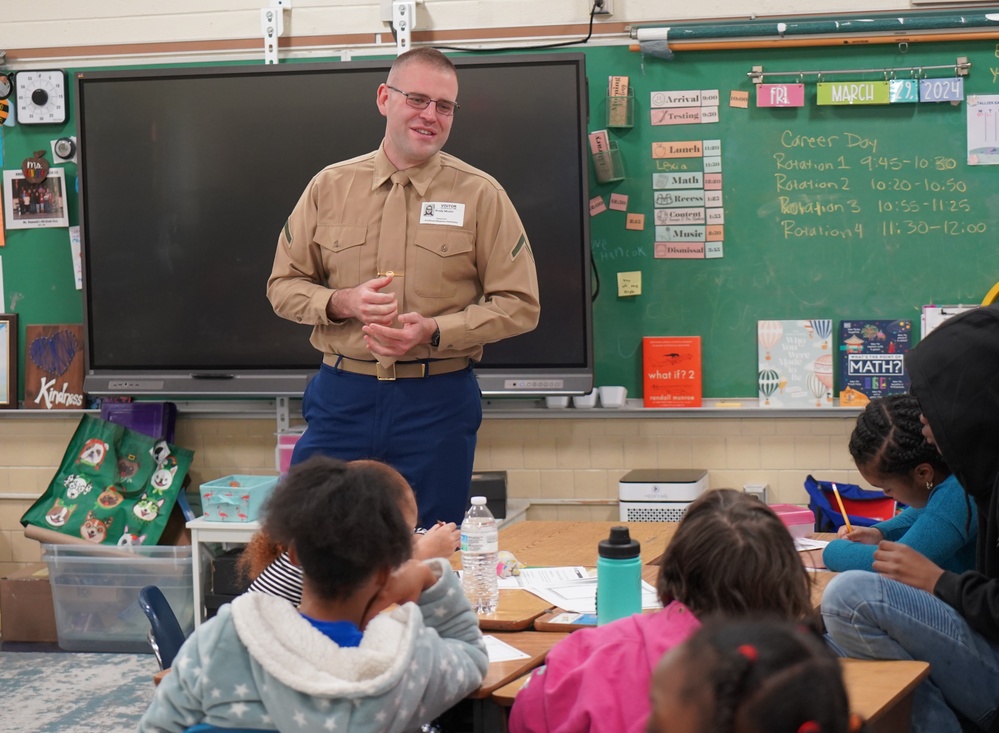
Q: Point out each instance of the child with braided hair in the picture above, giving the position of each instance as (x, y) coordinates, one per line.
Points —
(891, 454)
(751, 675)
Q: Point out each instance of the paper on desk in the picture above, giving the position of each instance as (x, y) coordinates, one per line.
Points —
(580, 596)
(500, 651)
(803, 544)
(544, 576)
(540, 576)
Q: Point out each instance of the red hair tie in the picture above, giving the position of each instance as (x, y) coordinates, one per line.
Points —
(810, 726)
(750, 653)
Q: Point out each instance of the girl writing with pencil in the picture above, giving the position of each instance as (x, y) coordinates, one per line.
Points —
(911, 608)
(891, 454)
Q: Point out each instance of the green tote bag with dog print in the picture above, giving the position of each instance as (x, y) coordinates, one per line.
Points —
(115, 486)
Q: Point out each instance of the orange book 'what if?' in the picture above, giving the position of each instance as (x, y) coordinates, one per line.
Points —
(671, 373)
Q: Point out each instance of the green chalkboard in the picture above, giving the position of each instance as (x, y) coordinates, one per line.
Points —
(837, 212)
(907, 222)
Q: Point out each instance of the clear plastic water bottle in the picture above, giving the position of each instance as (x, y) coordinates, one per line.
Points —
(479, 557)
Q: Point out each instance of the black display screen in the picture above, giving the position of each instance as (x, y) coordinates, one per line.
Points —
(187, 176)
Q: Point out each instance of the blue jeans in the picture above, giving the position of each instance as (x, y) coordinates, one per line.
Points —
(868, 616)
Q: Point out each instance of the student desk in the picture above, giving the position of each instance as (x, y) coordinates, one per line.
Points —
(557, 544)
(486, 716)
(534, 643)
(569, 543)
(879, 691)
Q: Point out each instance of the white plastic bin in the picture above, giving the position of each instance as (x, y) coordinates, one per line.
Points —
(95, 592)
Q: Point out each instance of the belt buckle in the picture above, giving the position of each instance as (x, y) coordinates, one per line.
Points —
(385, 374)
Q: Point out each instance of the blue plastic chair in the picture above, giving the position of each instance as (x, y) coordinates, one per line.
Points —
(165, 634)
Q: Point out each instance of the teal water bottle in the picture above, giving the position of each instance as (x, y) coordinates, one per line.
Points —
(619, 577)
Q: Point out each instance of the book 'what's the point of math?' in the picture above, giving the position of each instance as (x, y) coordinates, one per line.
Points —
(871, 359)
(795, 363)
(671, 371)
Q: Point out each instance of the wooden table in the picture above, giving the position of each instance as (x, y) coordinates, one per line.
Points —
(485, 715)
(880, 691)
(558, 544)
(534, 643)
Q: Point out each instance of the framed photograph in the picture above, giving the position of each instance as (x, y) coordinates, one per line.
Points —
(30, 205)
(8, 360)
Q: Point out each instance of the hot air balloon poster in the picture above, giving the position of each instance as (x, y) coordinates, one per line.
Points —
(871, 359)
(795, 364)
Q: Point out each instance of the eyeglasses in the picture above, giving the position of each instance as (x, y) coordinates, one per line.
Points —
(420, 101)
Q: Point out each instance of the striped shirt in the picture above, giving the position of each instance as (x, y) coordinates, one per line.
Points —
(283, 579)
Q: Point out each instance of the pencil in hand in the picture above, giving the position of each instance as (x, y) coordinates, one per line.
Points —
(842, 509)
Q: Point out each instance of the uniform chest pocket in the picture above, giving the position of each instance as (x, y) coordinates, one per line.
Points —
(445, 258)
(342, 252)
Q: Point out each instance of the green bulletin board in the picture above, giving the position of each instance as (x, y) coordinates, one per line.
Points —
(39, 281)
(841, 212)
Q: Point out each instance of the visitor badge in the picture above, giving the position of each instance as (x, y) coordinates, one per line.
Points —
(436, 212)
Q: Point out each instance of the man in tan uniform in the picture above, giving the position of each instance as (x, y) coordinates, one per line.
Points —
(402, 304)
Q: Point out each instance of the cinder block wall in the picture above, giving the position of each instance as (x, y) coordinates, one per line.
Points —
(568, 467)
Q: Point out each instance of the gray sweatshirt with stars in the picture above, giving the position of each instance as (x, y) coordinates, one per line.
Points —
(258, 664)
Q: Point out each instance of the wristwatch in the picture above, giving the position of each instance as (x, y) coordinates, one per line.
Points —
(435, 340)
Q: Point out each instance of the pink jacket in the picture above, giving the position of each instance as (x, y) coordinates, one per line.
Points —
(598, 679)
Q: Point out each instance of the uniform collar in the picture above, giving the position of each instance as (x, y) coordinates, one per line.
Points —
(420, 176)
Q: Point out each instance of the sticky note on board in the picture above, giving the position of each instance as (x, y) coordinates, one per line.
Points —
(738, 99)
(597, 206)
(619, 201)
(635, 221)
(629, 284)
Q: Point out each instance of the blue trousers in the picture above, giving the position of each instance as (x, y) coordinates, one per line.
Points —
(424, 428)
(868, 616)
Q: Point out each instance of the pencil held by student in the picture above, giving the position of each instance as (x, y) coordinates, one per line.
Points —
(340, 660)
(730, 554)
(940, 522)
(751, 675)
(842, 509)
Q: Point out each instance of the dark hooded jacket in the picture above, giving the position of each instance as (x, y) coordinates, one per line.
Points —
(955, 377)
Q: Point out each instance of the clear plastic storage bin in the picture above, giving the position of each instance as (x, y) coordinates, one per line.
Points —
(95, 593)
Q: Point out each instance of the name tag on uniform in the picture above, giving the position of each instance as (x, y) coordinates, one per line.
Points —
(436, 212)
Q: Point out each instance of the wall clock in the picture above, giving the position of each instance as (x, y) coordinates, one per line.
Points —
(41, 96)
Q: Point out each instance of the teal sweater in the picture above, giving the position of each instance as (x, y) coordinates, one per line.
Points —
(940, 531)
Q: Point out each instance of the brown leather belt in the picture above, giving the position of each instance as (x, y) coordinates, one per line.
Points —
(399, 370)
